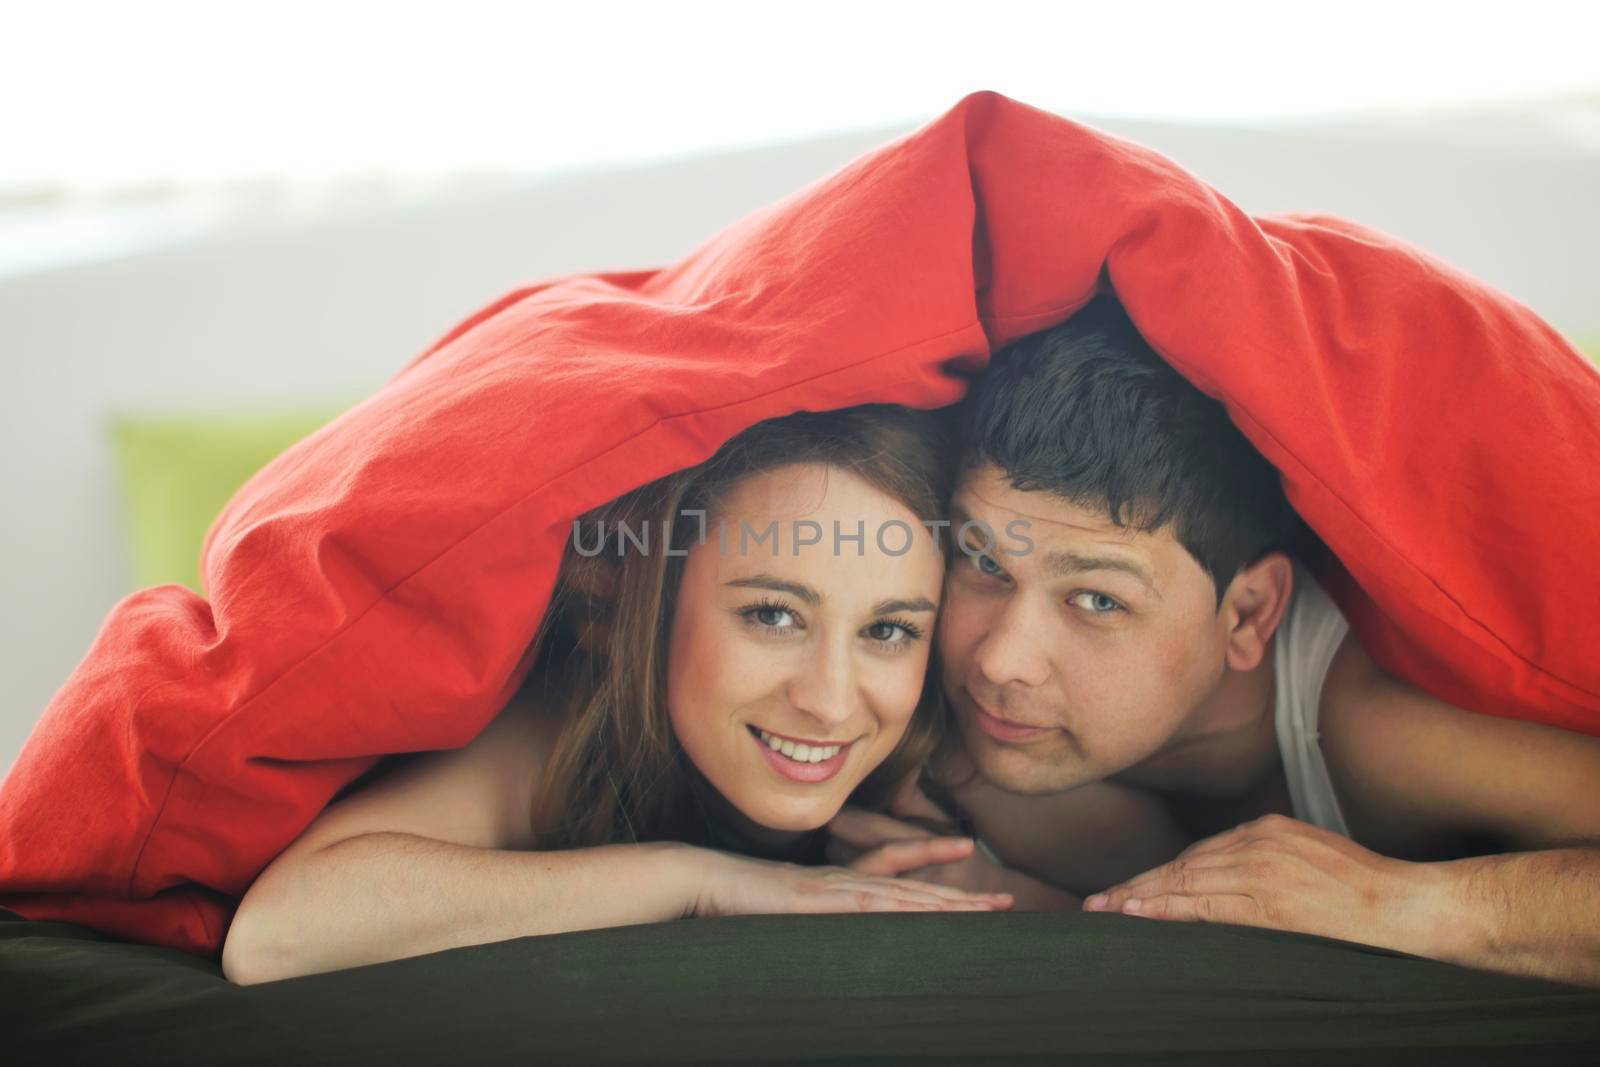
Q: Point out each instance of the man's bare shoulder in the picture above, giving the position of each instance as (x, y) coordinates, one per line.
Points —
(1416, 776)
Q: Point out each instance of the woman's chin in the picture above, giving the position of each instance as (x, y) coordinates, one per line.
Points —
(790, 818)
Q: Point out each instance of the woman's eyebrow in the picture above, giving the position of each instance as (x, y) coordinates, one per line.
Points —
(812, 597)
(885, 607)
(779, 585)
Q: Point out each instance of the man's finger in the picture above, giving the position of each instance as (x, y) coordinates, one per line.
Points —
(867, 829)
(1174, 874)
(897, 857)
(1224, 879)
(1226, 908)
(1243, 834)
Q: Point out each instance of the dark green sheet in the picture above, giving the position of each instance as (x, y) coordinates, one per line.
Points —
(918, 988)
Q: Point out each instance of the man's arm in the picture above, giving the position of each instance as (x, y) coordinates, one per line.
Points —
(1417, 770)
(1414, 773)
(1538, 914)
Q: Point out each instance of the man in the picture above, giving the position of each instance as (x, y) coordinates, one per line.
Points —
(1158, 708)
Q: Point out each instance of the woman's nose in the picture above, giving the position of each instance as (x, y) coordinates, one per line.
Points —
(824, 685)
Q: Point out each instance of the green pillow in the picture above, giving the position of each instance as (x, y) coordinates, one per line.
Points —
(178, 470)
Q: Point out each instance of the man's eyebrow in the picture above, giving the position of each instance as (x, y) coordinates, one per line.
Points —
(812, 597)
(1064, 564)
(958, 516)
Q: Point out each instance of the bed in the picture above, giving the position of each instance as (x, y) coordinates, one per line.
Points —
(374, 589)
(955, 988)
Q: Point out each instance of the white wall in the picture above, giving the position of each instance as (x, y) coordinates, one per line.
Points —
(312, 311)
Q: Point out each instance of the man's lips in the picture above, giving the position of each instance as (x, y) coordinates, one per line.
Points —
(1008, 730)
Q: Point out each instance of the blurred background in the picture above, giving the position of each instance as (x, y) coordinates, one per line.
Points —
(222, 223)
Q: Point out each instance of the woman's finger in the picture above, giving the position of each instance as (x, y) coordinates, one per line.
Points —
(852, 880)
(906, 887)
(951, 893)
(867, 900)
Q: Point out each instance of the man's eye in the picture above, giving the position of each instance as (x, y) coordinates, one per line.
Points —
(986, 564)
(1096, 603)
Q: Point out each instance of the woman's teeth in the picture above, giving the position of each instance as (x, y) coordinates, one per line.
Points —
(798, 752)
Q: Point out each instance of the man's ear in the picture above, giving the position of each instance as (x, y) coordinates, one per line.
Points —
(1253, 606)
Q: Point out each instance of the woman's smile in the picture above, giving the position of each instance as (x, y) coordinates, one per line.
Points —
(801, 760)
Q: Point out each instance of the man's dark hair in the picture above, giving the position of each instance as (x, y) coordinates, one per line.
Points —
(1089, 412)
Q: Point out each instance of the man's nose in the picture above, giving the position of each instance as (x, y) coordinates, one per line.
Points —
(1012, 650)
(825, 686)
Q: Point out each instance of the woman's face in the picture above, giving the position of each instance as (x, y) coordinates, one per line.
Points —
(794, 668)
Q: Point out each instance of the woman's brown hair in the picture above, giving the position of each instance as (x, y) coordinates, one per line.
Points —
(616, 772)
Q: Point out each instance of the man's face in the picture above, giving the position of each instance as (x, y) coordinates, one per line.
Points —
(1075, 659)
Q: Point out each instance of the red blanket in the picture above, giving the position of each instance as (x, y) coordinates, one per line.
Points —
(376, 587)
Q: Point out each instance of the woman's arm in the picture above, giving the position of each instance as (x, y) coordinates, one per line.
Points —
(430, 858)
(424, 859)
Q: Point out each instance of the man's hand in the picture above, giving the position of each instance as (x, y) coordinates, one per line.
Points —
(1283, 874)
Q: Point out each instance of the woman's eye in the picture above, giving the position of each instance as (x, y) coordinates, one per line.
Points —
(893, 632)
(769, 616)
(1096, 603)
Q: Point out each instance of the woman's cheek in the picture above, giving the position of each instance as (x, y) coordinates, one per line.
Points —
(699, 669)
(902, 692)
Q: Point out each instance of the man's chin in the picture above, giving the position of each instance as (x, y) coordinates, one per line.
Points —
(1023, 771)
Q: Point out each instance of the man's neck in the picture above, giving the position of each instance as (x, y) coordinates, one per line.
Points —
(1228, 744)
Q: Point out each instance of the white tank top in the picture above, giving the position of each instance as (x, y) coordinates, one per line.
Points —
(1310, 634)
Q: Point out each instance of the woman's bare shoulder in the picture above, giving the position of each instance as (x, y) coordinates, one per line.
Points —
(480, 794)
(527, 727)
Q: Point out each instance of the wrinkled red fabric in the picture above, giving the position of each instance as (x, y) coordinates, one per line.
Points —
(374, 589)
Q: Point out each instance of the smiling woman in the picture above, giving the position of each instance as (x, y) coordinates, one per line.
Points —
(818, 677)
(674, 745)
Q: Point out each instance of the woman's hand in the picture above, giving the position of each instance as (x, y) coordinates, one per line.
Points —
(738, 885)
(904, 843)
